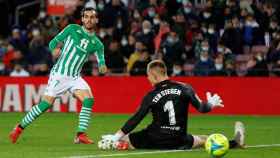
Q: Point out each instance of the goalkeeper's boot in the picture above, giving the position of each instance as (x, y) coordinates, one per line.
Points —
(121, 145)
(82, 138)
(14, 135)
(239, 134)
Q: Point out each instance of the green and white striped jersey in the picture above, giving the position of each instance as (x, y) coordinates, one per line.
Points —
(78, 44)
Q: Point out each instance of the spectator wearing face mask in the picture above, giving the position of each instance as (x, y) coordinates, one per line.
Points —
(18, 41)
(205, 65)
(156, 23)
(173, 49)
(150, 12)
(100, 5)
(199, 46)
(139, 47)
(147, 35)
(223, 49)
(212, 37)
(207, 14)
(188, 10)
(127, 45)
(219, 69)
(178, 69)
(151, 7)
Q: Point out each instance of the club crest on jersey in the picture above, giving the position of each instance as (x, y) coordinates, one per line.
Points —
(84, 43)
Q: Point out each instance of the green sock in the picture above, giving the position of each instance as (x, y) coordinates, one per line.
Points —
(85, 114)
(35, 112)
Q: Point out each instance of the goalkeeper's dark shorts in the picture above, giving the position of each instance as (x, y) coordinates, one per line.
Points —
(146, 139)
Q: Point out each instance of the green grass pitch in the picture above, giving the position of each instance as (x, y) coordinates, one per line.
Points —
(51, 136)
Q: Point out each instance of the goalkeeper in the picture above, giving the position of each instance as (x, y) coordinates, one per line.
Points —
(168, 102)
(73, 46)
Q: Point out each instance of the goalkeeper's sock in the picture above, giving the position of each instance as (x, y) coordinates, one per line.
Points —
(85, 114)
(34, 113)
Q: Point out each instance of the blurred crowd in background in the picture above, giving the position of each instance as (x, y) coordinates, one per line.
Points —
(219, 38)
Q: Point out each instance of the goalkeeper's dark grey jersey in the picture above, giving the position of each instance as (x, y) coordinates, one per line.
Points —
(168, 102)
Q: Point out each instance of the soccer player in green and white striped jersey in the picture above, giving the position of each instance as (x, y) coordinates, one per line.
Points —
(73, 45)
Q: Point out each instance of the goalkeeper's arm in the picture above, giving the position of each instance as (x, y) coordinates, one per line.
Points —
(133, 121)
(204, 107)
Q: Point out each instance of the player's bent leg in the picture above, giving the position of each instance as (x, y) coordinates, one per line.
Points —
(199, 141)
(239, 136)
(84, 117)
(32, 115)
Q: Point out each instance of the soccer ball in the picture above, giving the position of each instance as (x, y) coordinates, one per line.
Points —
(217, 145)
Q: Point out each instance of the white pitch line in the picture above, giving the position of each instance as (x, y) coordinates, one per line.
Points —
(162, 151)
(263, 146)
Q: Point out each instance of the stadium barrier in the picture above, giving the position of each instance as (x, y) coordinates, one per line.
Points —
(257, 96)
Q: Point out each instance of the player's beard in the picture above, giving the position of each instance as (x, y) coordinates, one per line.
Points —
(90, 26)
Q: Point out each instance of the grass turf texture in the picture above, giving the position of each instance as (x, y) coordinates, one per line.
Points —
(51, 136)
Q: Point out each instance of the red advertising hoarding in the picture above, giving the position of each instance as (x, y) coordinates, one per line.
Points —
(59, 7)
(258, 96)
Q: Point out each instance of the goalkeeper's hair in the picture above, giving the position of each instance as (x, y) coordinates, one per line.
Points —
(159, 66)
(87, 9)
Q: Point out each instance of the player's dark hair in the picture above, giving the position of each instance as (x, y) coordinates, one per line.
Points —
(159, 65)
(87, 9)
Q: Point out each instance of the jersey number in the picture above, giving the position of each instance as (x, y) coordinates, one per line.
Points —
(168, 106)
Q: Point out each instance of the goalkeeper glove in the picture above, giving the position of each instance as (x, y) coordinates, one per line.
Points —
(112, 137)
(215, 100)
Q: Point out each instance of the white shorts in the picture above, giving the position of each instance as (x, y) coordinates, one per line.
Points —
(58, 85)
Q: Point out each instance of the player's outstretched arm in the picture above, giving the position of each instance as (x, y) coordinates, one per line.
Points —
(131, 123)
(203, 107)
(59, 38)
(100, 58)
